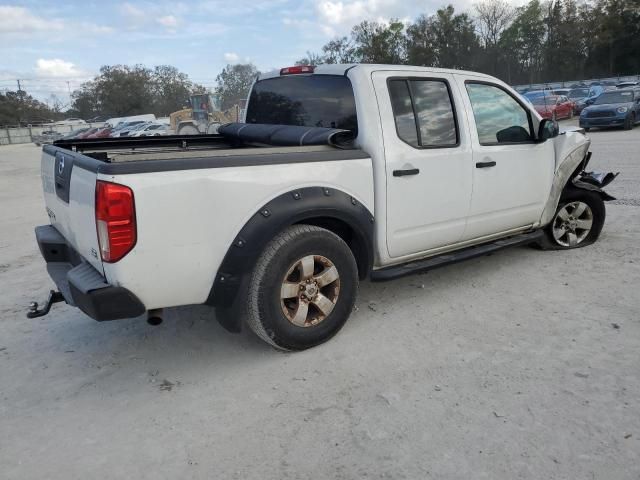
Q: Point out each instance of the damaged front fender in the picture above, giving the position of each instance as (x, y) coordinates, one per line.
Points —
(572, 157)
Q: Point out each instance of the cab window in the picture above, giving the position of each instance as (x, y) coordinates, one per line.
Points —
(499, 117)
(423, 112)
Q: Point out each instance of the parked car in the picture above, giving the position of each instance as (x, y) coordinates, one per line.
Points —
(103, 132)
(75, 133)
(579, 97)
(123, 129)
(71, 121)
(99, 119)
(594, 91)
(401, 169)
(531, 94)
(554, 107)
(86, 133)
(613, 109)
(151, 130)
(627, 84)
(561, 91)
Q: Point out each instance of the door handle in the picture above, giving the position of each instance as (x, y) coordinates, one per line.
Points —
(485, 164)
(404, 173)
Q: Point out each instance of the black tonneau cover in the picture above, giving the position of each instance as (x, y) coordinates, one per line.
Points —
(286, 135)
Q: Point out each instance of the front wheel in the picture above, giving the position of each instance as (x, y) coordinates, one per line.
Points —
(302, 289)
(629, 121)
(578, 221)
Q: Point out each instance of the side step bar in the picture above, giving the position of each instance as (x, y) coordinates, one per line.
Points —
(395, 271)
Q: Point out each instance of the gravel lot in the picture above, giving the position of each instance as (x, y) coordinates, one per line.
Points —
(525, 364)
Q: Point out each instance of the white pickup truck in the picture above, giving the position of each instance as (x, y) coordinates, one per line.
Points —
(340, 173)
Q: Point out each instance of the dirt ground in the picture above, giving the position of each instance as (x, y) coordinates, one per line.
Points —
(521, 365)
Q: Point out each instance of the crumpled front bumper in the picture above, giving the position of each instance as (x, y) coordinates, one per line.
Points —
(82, 285)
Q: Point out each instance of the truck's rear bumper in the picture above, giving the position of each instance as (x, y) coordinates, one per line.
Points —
(81, 284)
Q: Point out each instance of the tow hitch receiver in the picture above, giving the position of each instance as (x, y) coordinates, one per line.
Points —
(34, 312)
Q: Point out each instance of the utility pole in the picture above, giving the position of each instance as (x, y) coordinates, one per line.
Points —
(69, 90)
(20, 102)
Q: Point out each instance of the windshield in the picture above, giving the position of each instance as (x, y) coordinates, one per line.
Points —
(614, 97)
(579, 93)
(305, 100)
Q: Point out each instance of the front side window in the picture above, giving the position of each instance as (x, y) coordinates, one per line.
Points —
(423, 112)
(499, 117)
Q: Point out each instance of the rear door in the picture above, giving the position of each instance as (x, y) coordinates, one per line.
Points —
(69, 195)
(428, 161)
(512, 174)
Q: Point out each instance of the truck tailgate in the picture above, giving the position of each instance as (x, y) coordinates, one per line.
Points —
(69, 195)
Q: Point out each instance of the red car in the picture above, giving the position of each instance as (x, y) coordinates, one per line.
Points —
(86, 134)
(104, 132)
(553, 106)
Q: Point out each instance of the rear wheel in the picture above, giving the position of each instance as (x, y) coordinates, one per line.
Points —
(302, 289)
(578, 221)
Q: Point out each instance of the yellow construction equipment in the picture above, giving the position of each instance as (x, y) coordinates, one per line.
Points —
(203, 116)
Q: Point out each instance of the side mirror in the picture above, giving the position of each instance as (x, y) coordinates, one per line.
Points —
(547, 129)
(590, 101)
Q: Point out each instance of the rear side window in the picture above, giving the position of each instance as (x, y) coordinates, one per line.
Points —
(423, 112)
(304, 100)
(499, 117)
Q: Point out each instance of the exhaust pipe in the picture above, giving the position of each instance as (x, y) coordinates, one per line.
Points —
(154, 317)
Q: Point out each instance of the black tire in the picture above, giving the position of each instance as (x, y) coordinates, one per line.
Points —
(265, 308)
(586, 129)
(629, 121)
(595, 204)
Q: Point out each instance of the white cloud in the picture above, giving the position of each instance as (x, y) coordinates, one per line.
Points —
(55, 67)
(233, 58)
(168, 21)
(21, 20)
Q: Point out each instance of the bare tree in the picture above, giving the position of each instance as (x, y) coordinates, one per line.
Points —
(492, 18)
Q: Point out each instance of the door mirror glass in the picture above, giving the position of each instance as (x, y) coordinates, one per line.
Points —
(548, 129)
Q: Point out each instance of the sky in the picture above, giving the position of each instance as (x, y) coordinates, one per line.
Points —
(46, 44)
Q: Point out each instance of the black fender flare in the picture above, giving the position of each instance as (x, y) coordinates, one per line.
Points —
(303, 205)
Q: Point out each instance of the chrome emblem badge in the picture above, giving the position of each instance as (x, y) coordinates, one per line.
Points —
(61, 165)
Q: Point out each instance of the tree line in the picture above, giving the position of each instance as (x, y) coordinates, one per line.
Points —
(539, 42)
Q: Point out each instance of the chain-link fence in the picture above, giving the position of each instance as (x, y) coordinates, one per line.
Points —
(12, 135)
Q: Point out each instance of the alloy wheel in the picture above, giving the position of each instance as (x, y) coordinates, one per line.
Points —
(572, 224)
(309, 290)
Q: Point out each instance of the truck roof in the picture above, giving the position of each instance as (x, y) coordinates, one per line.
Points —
(341, 69)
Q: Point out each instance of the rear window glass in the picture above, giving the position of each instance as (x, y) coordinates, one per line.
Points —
(304, 100)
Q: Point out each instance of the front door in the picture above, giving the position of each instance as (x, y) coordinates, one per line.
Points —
(512, 174)
(428, 161)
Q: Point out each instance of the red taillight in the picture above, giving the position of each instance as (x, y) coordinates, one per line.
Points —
(297, 69)
(115, 220)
